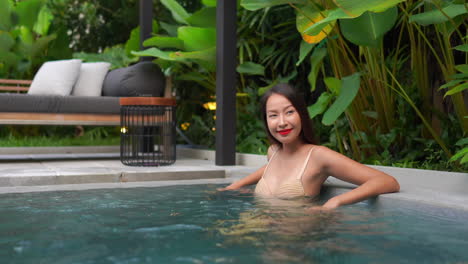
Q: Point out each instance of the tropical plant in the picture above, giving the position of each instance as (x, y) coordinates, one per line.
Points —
(115, 55)
(27, 38)
(353, 33)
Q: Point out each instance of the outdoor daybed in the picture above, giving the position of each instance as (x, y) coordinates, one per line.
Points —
(56, 99)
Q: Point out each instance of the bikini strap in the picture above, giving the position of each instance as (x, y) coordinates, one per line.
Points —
(268, 164)
(299, 176)
(266, 168)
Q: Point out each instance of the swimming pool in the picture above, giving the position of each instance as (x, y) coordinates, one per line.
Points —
(197, 224)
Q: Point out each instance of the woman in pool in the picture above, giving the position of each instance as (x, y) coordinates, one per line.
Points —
(297, 167)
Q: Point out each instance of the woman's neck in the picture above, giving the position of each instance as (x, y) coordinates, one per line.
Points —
(292, 147)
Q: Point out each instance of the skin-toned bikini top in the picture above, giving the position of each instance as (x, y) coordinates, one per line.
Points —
(291, 188)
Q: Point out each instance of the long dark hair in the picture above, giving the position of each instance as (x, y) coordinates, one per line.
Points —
(286, 90)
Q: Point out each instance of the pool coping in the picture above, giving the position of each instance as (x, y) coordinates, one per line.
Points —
(448, 189)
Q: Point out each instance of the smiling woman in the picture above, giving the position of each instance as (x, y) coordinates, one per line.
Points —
(297, 166)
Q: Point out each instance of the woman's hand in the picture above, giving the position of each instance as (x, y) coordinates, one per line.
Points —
(332, 203)
(227, 188)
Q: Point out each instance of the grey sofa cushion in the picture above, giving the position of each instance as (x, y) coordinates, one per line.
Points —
(58, 104)
(141, 79)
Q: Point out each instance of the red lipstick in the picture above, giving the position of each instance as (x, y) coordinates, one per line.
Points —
(285, 131)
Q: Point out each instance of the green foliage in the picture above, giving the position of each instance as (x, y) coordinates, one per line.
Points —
(438, 16)
(369, 28)
(116, 56)
(25, 38)
(462, 154)
(375, 44)
(33, 136)
(350, 86)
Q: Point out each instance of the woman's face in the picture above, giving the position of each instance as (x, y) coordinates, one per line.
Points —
(284, 122)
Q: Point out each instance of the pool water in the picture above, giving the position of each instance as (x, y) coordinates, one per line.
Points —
(197, 224)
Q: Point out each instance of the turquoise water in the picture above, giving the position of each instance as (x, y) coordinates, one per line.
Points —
(197, 224)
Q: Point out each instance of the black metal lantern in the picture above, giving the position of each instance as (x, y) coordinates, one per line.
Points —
(147, 131)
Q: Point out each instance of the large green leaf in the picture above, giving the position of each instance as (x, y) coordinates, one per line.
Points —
(170, 29)
(331, 16)
(154, 52)
(28, 12)
(41, 44)
(349, 89)
(205, 17)
(5, 15)
(133, 43)
(6, 41)
(315, 61)
(436, 16)
(368, 28)
(196, 38)
(164, 42)
(210, 3)
(304, 50)
(333, 84)
(309, 16)
(208, 55)
(355, 8)
(320, 106)
(43, 22)
(253, 5)
(251, 68)
(178, 12)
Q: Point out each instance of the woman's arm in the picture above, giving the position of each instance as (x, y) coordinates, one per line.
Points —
(252, 178)
(371, 182)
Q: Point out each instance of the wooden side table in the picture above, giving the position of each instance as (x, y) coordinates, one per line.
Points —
(148, 131)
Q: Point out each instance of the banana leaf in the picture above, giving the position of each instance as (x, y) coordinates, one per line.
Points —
(369, 28)
(196, 38)
(355, 8)
(164, 42)
(178, 12)
(350, 87)
(308, 16)
(251, 68)
(205, 17)
(436, 16)
(253, 5)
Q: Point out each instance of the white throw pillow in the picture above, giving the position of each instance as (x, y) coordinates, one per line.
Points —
(56, 78)
(91, 77)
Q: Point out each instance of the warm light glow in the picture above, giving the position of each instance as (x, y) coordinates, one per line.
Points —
(210, 106)
(185, 125)
(213, 129)
(123, 130)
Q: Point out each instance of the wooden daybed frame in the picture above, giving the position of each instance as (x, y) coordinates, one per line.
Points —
(23, 118)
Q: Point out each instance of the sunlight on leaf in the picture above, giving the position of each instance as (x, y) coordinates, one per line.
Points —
(330, 17)
(306, 18)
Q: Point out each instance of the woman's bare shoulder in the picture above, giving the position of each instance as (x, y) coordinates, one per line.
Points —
(322, 154)
(271, 150)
